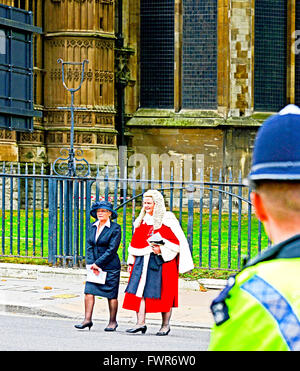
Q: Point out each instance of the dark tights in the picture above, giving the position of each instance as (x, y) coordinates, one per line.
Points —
(141, 316)
(166, 316)
(89, 302)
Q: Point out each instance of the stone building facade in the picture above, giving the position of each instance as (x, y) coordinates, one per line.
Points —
(234, 65)
(182, 78)
(73, 31)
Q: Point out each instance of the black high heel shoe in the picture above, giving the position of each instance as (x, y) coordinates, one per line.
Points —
(84, 325)
(163, 333)
(111, 329)
(134, 330)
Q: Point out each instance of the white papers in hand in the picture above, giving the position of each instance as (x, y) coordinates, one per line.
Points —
(156, 238)
(92, 277)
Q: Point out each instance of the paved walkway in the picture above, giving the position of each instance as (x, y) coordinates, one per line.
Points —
(58, 292)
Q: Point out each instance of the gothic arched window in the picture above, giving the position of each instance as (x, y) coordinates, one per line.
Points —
(270, 53)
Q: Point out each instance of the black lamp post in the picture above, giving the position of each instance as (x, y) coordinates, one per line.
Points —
(71, 164)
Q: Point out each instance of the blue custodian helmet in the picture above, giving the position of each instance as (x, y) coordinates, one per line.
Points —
(276, 152)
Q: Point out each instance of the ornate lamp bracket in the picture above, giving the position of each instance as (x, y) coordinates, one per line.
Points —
(72, 163)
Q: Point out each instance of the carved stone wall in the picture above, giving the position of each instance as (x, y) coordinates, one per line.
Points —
(73, 30)
(88, 29)
(8, 144)
(80, 15)
(241, 61)
(224, 136)
(78, 30)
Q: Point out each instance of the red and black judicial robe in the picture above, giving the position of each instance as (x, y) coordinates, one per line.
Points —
(145, 279)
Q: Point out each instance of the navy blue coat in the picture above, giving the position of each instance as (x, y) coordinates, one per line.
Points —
(103, 252)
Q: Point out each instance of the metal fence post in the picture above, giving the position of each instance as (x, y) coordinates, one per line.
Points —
(190, 190)
(50, 225)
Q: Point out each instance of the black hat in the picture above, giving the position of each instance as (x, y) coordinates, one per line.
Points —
(103, 205)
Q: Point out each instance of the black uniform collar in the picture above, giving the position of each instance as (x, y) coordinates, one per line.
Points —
(287, 249)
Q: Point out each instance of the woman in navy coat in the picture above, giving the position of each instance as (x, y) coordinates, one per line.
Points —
(101, 252)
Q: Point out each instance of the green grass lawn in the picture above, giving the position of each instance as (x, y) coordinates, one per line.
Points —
(210, 255)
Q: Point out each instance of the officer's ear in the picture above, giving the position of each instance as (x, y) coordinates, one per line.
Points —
(259, 207)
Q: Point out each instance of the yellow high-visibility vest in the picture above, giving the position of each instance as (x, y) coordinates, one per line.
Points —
(260, 307)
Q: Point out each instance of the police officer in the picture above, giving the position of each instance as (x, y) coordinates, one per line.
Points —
(260, 307)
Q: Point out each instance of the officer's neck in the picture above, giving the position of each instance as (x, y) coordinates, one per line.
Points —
(279, 233)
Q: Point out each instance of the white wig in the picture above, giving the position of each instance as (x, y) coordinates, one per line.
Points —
(158, 211)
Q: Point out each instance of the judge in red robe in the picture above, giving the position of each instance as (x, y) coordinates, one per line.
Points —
(154, 266)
